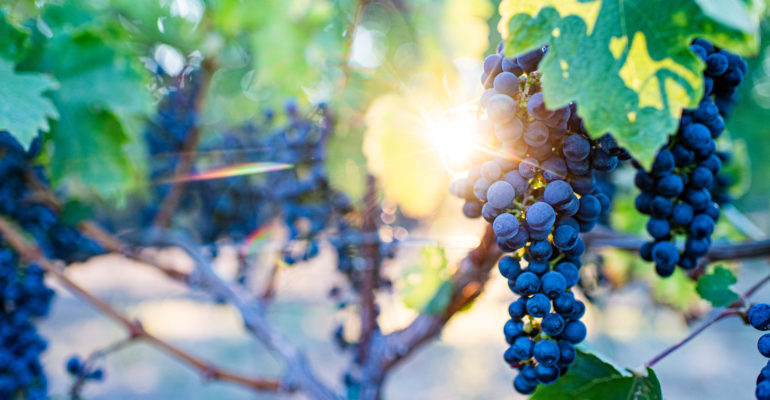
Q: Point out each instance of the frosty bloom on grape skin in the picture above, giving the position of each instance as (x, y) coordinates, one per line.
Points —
(537, 188)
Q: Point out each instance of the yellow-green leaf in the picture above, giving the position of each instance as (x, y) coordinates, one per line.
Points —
(627, 64)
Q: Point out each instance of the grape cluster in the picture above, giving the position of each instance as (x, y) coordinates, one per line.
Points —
(759, 318)
(235, 206)
(722, 182)
(680, 191)
(25, 297)
(537, 186)
(308, 204)
(80, 369)
(167, 132)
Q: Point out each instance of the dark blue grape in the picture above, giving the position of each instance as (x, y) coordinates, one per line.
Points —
(552, 324)
(536, 134)
(518, 308)
(759, 316)
(565, 237)
(658, 228)
(518, 183)
(574, 332)
(558, 193)
(536, 107)
(702, 226)
(489, 213)
(763, 345)
(762, 391)
(493, 65)
(670, 185)
(663, 164)
(553, 169)
(505, 226)
(590, 208)
(509, 131)
(538, 305)
(507, 83)
(553, 284)
(665, 254)
(528, 168)
(661, 207)
(695, 247)
(500, 194)
(682, 214)
(546, 352)
(565, 303)
(547, 374)
(472, 209)
(576, 148)
(522, 348)
(540, 216)
(567, 352)
(569, 271)
(527, 283)
(509, 267)
(523, 385)
(530, 60)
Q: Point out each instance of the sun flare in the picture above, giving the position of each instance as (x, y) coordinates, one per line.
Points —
(453, 134)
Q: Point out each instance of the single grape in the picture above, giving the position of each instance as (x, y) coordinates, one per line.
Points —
(552, 324)
(500, 194)
(546, 352)
(538, 305)
(553, 284)
(574, 332)
(509, 267)
(759, 316)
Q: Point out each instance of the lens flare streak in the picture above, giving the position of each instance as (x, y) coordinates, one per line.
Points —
(233, 170)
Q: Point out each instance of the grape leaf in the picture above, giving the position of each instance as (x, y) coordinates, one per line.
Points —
(103, 94)
(427, 286)
(109, 81)
(591, 378)
(626, 63)
(715, 287)
(88, 149)
(24, 110)
(15, 40)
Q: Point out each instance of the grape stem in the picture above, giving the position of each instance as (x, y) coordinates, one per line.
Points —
(606, 237)
(371, 272)
(737, 308)
(32, 253)
(186, 157)
(724, 314)
(90, 361)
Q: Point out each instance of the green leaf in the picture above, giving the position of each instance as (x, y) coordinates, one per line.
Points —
(441, 299)
(75, 211)
(590, 378)
(629, 68)
(15, 40)
(103, 100)
(677, 291)
(88, 150)
(109, 81)
(24, 110)
(427, 285)
(715, 287)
